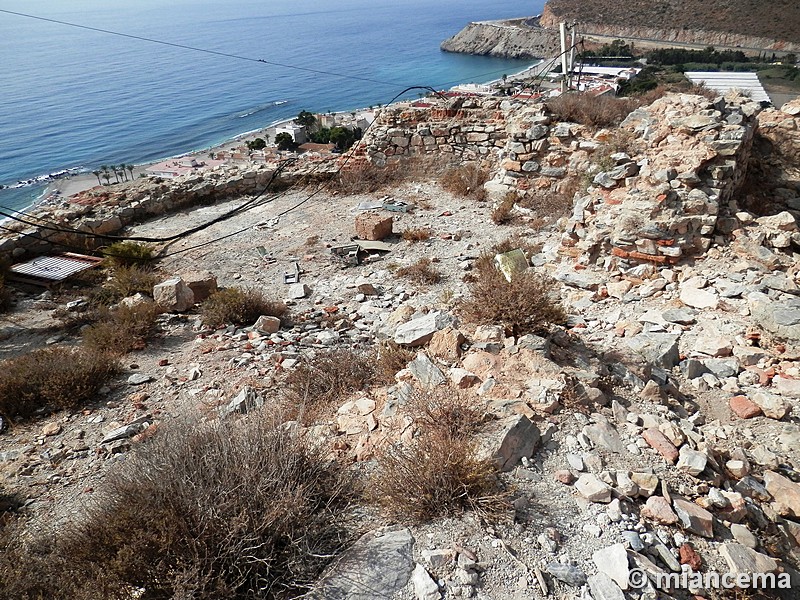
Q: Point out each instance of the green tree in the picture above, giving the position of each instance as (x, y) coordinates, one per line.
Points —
(105, 175)
(285, 141)
(130, 169)
(96, 173)
(307, 120)
(257, 144)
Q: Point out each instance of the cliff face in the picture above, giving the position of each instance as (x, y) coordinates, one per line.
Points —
(714, 22)
(504, 39)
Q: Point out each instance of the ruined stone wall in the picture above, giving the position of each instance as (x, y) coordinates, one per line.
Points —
(108, 210)
(673, 192)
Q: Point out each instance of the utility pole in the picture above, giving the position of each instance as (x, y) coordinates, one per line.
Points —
(571, 56)
(562, 27)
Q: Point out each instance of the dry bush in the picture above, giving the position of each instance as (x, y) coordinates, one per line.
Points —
(5, 296)
(421, 271)
(527, 304)
(125, 280)
(237, 306)
(501, 215)
(392, 357)
(52, 378)
(128, 254)
(417, 234)
(485, 261)
(593, 111)
(321, 381)
(247, 510)
(366, 179)
(551, 205)
(446, 410)
(466, 180)
(438, 475)
(122, 329)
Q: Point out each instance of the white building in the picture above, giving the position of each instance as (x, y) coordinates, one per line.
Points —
(298, 132)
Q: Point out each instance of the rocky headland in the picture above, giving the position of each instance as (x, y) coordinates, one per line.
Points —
(748, 25)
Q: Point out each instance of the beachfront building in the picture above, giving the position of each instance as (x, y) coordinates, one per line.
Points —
(298, 132)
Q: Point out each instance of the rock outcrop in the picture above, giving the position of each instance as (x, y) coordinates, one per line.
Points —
(507, 39)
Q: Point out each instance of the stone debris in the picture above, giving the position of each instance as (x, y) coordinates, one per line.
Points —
(174, 295)
(625, 401)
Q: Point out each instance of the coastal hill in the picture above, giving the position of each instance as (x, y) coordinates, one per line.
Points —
(746, 24)
(778, 20)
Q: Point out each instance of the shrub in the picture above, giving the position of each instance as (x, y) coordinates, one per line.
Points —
(391, 358)
(122, 329)
(437, 475)
(501, 215)
(245, 510)
(128, 253)
(125, 280)
(445, 410)
(320, 381)
(237, 306)
(525, 304)
(594, 111)
(421, 271)
(419, 234)
(466, 180)
(5, 296)
(52, 378)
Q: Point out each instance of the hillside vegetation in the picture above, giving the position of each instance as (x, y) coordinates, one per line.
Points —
(778, 19)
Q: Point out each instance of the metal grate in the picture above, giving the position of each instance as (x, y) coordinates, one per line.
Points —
(49, 269)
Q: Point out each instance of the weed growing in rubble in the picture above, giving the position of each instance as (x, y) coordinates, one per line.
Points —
(122, 329)
(419, 234)
(392, 358)
(321, 381)
(237, 306)
(124, 281)
(439, 473)
(236, 510)
(594, 111)
(501, 215)
(466, 180)
(421, 271)
(526, 304)
(52, 378)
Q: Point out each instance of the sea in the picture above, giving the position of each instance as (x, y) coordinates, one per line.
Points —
(190, 74)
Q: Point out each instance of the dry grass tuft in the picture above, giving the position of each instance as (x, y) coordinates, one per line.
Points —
(125, 280)
(245, 510)
(466, 180)
(527, 304)
(501, 215)
(237, 306)
(421, 271)
(600, 111)
(418, 234)
(439, 474)
(52, 378)
(391, 358)
(319, 383)
(122, 329)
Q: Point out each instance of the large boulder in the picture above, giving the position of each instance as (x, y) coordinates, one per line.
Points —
(174, 295)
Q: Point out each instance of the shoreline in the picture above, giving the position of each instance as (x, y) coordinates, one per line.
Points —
(64, 187)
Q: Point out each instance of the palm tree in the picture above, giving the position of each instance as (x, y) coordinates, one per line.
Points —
(115, 168)
(97, 174)
(130, 168)
(104, 169)
(122, 170)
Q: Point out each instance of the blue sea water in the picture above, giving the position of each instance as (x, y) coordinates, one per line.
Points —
(75, 97)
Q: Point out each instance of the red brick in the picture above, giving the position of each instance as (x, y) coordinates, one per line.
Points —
(373, 226)
(661, 444)
(744, 408)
